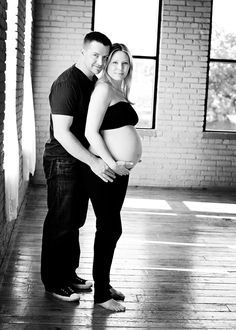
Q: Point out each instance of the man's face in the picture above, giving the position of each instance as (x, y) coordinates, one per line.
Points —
(95, 56)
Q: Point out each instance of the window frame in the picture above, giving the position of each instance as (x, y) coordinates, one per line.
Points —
(211, 132)
(155, 58)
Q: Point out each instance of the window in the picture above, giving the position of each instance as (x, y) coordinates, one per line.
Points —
(221, 96)
(135, 23)
(11, 149)
(28, 120)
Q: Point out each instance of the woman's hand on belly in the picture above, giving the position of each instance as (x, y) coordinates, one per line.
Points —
(119, 168)
(128, 165)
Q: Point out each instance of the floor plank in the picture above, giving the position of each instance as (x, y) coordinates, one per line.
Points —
(175, 262)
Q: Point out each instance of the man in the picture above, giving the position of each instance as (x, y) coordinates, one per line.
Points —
(65, 153)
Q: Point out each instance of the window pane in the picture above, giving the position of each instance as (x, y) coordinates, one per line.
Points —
(131, 22)
(223, 42)
(221, 112)
(142, 90)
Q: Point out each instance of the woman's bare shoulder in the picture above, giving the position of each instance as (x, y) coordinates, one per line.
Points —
(103, 89)
(103, 86)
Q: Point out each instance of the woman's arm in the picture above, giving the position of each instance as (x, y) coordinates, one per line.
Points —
(100, 100)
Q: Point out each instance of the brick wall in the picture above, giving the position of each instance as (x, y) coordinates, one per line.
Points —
(5, 226)
(177, 153)
(59, 28)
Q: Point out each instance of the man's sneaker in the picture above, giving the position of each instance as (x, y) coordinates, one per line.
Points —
(80, 283)
(65, 293)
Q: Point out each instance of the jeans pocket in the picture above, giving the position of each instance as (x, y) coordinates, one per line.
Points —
(60, 167)
(48, 166)
(67, 167)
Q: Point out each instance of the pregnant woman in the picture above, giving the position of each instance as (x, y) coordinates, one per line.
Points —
(110, 130)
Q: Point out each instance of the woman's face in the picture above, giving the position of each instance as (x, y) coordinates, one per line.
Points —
(118, 67)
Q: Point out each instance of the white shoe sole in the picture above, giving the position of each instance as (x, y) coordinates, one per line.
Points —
(86, 286)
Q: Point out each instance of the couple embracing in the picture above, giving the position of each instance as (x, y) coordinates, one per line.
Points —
(93, 145)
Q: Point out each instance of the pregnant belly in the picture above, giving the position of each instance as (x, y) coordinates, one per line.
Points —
(123, 143)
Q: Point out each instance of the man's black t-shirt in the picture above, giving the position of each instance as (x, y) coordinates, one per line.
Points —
(70, 95)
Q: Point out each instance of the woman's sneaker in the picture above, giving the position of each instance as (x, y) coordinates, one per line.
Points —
(65, 293)
(80, 283)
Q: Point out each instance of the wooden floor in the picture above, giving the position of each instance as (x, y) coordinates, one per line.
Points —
(175, 262)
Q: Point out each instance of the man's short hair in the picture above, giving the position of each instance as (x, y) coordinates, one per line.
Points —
(97, 36)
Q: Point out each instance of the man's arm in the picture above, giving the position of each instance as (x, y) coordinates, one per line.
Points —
(61, 127)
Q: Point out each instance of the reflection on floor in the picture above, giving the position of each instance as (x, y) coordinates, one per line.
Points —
(175, 262)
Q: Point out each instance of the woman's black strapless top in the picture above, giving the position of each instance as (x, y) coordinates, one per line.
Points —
(118, 115)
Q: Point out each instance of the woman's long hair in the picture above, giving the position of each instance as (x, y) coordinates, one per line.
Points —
(126, 83)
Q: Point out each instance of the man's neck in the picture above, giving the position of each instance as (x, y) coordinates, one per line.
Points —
(79, 65)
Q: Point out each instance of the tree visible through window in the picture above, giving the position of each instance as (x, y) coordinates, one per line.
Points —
(221, 102)
(135, 23)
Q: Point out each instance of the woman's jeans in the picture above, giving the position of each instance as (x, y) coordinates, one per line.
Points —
(107, 199)
(67, 201)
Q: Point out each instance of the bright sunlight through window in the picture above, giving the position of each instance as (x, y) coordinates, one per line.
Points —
(11, 152)
(135, 23)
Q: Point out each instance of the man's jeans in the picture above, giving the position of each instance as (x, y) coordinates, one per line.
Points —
(67, 209)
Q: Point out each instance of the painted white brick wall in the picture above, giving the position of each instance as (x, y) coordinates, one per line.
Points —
(177, 153)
